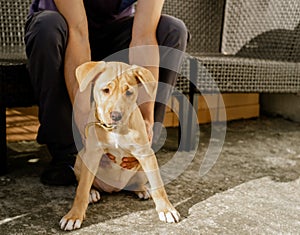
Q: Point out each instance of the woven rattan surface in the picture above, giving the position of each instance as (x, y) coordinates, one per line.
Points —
(235, 74)
(262, 38)
(203, 19)
(15, 86)
(262, 28)
(13, 15)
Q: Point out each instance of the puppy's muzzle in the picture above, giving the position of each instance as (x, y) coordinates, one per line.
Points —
(115, 116)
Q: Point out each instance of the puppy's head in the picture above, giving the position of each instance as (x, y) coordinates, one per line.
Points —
(115, 88)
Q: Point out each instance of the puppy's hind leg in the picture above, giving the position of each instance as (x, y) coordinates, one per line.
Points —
(94, 196)
(138, 185)
(143, 193)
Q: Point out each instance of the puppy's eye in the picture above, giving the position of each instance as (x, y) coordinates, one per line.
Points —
(128, 93)
(105, 91)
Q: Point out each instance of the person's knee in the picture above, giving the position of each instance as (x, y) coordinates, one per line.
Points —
(172, 32)
(48, 28)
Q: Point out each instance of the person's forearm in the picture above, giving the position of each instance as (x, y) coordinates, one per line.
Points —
(77, 53)
(144, 50)
(144, 35)
(146, 19)
(78, 47)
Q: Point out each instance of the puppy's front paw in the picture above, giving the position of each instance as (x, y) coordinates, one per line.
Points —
(169, 215)
(71, 221)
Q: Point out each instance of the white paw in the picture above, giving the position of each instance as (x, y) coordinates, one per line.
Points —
(69, 224)
(94, 196)
(171, 216)
(144, 194)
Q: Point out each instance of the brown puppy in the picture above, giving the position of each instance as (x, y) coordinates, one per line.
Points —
(116, 126)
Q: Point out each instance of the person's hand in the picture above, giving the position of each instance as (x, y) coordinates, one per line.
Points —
(127, 162)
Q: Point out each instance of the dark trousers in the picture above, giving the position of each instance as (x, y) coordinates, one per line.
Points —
(46, 35)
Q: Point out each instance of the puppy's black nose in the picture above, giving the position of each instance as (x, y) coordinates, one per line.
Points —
(115, 116)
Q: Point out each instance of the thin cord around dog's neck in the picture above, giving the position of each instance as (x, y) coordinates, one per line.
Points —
(100, 124)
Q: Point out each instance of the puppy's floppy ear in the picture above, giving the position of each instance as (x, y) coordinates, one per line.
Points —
(87, 72)
(146, 78)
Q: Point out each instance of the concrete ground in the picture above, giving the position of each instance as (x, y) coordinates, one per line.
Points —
(253, 187)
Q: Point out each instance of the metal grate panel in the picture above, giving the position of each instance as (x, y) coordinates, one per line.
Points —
(234, 74)
(13, 15)
(260, 46)
(203, 19)
(266, 29)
